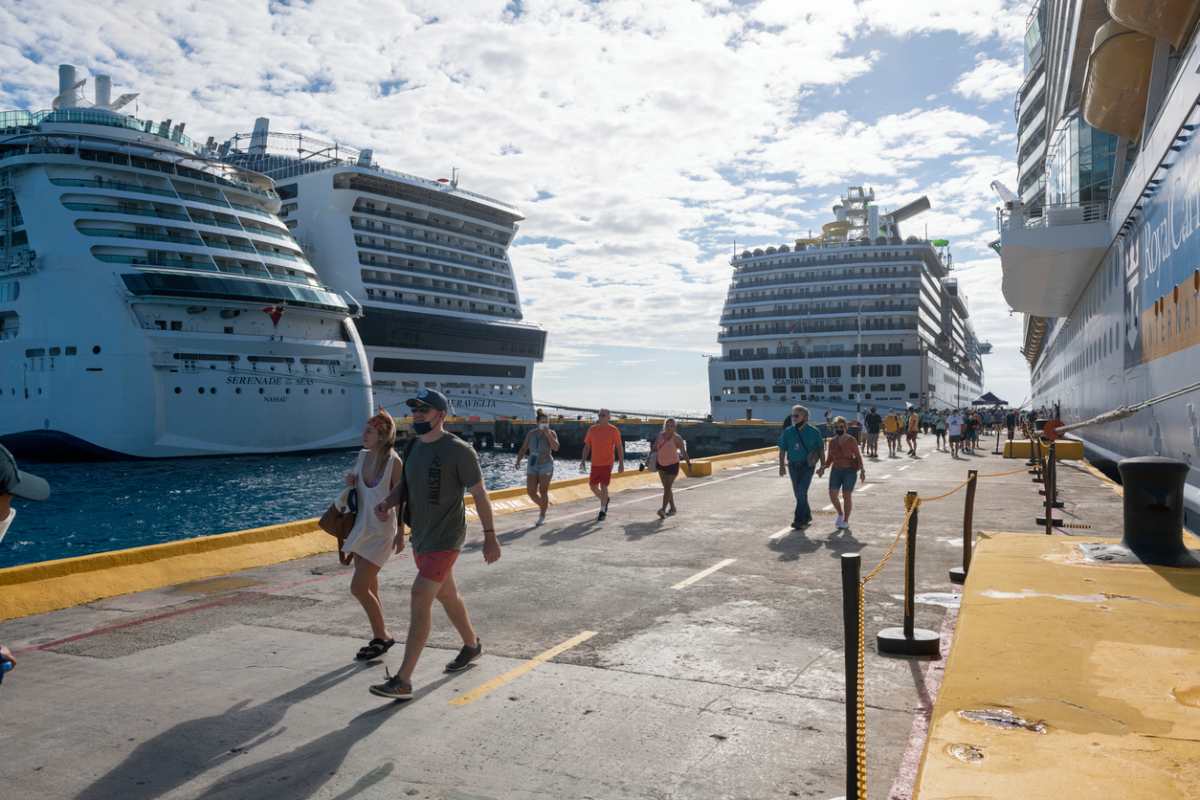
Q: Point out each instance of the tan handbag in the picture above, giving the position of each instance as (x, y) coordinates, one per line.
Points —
(338, 522)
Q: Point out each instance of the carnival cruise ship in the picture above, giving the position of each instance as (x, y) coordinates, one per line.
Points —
(152, 303)
(1100, 243)
(854, 318)
(427, 260)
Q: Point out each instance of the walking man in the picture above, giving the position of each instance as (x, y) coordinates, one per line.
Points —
(603, 443)
(439, 468)
(1010, 422)
(874, 424)
(846, 460)
(914, 426)
(891, 431)
(954, 428)
(801, 447)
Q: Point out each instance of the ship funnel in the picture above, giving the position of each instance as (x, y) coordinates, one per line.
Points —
(365, 156)
(66, 86)
(103, 91)
(258, 139)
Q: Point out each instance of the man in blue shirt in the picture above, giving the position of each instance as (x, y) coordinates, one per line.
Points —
(803, 448)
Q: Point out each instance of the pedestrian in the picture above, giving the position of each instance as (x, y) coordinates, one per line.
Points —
(439, 468)
(1010, 422)
(603, 444)
(954, 429)
(15, 483)
(540, 443)
(914, 426)
(845, 463)
(377, 471)
(801, 448)
(891, 431)
(874, 424)
(667, 447)
(939, 429)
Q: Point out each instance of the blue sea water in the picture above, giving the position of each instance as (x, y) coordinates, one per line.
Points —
(95, 507)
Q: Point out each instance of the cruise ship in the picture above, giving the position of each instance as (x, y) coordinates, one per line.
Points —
(152, 302)
(1100, 242)
(857, 317)
(427, 260)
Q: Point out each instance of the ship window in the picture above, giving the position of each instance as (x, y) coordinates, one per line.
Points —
(893, 370)
(70, 351)
(816, 372)
(743, 374)
(779, 372)
(835, 372)
(55, 351)
(743, 390)
(730, 374)
(176, 325)
(35, 352)
(898, 387)
(96, 349)
(878, 387)
(178, 390)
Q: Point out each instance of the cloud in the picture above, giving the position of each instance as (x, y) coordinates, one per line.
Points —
(990, 80)
(640, 138)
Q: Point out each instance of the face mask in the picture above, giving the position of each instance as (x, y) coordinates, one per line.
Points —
(422, 428)
(4, 523)
(544, 426)
(841, 431)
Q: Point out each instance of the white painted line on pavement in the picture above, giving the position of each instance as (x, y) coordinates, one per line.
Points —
(704, 573)
(828, 507)
(865, 486)
(906, 466)
(779, 534)
(885, 477)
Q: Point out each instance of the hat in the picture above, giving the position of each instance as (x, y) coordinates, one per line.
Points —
(430, 397)
(21, 484)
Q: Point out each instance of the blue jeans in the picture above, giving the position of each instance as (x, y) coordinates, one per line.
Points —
(802, 475)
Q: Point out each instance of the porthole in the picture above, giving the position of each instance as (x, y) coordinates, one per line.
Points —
(212, 390)
(261, 390)
(178, 390)
(96, 350)
(343, 391)
(287, 391)
(306, 391)
(200, 390)
(238, 390)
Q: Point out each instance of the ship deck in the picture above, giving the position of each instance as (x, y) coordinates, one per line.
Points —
(700, 656)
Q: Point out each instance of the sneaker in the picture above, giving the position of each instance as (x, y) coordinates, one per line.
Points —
(842, 524)
(600, 517)
(465, 657)
(839, 522)
(541, 519)
(394, 688)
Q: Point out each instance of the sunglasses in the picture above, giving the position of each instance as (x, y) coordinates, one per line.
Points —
(422, 409)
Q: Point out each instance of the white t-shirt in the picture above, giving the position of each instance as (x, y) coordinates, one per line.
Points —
(7, 521)
(954, 425)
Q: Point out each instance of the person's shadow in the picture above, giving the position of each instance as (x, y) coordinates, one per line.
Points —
(640, 530)
(179, 754)
(794, 545)
(842, 541)
(570, 533)
(302, 772)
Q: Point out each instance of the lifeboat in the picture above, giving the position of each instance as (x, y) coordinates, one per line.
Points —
(1169, 20)
(1118, 78)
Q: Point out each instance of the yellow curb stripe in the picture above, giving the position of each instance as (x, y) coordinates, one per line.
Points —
(513, 674)
(704, 573)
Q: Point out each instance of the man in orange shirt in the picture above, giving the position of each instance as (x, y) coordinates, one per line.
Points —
(603, 443)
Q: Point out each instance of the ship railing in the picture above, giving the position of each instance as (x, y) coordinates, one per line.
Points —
(805, 355)
(1051, 215)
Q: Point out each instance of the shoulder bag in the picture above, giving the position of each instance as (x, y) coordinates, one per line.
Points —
(652, 459)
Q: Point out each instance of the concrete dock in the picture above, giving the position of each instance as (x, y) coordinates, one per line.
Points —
(696, 657)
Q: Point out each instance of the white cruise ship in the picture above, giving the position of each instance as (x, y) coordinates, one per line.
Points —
(152, 303)
(1100, 243)
(855, 318)
(427, 260)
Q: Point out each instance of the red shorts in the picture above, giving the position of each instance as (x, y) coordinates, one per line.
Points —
(601, 475)
(436, 565)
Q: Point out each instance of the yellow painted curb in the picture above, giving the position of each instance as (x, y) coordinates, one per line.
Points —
(51, 585)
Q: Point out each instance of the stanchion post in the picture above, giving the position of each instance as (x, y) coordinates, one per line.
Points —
(851, 614)
(997, 451)
(1049, 501)
(959, 574)
(909, 640)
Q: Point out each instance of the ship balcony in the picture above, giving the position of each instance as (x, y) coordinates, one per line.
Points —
(1048, 259)
(820, 312)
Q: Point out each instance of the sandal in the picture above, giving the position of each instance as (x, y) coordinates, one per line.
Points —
(374, 649)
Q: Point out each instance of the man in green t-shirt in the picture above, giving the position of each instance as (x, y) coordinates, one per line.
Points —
(802, 447)
(438, 469)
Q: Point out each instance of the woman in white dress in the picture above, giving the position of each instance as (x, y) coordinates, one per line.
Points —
(377, 471)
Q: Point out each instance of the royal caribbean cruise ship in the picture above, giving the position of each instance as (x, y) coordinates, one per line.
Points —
(857, 317)
(152, 303)
(1100, 244)
(427, 260)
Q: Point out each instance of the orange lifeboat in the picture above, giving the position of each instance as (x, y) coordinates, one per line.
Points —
(1169, 20)
(1118, 79)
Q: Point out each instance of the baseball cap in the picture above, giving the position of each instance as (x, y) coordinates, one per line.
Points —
(430, 397)
(15, 482)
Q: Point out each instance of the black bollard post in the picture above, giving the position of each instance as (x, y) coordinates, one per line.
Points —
(1048, 502)
(1154, 510)
(997, 451)
(851, 614)
(959, 574)
(909, 640)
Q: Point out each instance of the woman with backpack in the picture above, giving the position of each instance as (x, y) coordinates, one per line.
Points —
(377, 470)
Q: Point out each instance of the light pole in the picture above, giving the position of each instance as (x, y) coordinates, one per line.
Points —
(858, 348)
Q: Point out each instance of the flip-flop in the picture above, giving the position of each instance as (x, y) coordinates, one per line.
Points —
(374, 649)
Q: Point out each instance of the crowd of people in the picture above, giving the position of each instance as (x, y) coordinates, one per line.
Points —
(805, 451)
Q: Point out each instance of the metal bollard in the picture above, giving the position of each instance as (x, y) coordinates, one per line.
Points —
(1051, 491)
(851, 613)
(909, 640)
(1154, 510)
(959, 574)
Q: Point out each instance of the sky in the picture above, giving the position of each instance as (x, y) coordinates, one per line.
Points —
(643, 140)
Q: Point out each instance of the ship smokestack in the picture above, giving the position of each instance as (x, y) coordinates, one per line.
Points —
(66, 86)
(258, 139)
(364, 157)
(103, 91)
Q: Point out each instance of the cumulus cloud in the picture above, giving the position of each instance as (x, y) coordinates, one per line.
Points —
(992, 79)
(640, 138)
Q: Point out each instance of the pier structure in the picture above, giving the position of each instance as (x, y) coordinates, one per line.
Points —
(698, 656)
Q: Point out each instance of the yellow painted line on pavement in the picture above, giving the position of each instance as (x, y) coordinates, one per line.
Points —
(704, 573)
(510, 676)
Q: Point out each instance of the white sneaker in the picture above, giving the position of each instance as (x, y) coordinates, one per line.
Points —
(840, 522)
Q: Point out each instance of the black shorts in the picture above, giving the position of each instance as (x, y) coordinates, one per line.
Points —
(669, 469)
